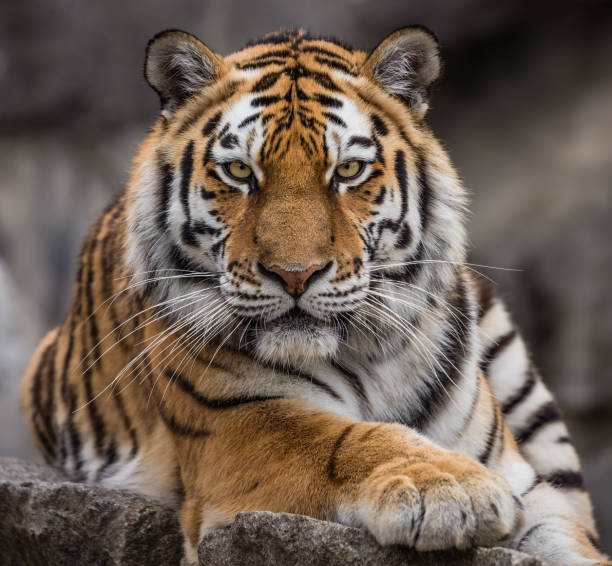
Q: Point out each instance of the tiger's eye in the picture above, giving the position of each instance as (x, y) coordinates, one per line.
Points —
(348, 169)
(239, 170)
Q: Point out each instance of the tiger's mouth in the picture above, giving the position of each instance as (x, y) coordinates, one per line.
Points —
(297, 319)
(296, 336)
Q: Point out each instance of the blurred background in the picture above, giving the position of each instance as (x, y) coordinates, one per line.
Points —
(524, 108)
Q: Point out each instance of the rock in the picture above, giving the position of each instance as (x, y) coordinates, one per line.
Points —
(46, 519)
(285, 539)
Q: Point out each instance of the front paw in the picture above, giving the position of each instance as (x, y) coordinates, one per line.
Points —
(450, 501)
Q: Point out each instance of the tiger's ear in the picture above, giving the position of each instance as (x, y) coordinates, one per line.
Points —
(405, 64)
(178, 66)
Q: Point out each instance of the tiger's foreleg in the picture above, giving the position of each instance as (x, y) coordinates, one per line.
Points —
(283, 455)
(553, 528)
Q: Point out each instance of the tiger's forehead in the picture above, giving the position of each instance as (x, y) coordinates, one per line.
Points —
(292, 48)
(296, 98)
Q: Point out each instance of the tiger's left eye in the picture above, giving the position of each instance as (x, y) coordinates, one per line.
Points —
(239, 170)
(349, 169)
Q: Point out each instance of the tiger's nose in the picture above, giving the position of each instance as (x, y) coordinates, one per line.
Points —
(295, 282)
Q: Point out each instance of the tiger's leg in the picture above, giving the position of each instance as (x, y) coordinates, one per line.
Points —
(283, 455)
(529, 408)
(553, 528)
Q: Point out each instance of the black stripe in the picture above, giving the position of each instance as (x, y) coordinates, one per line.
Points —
(206, 194)
(335, 119)
(380, 127)
(190, 121)
(218, 248)
(529, 532)
(566, 479)
(298, 373)
(48, 448)
(165, 186)
(229, 141)
(426, 192)
(272, 53)
(111, 457)
(332, 472)
(446, 375)
(495, 350)
(181, 261)
(127, 422)
(75, 438)
(36, 388)
(42, 419)
(416, 523)
(360, 140)
(402, 180)
(202, 227)
(266, 82)
(260, 64)
(486, 295)
(187, 387)
(328, 101)
(108, 275)
(177, 428)
(510, 404)
(546, 414)
(210, 126)
(381, 195)
(323, 51)
(249, 119)
(264, 101)
(356, 384)
(404, 237)
(335, 65)
(537, 480)
(186, 171)
(492, 435)
(50, 402)
(67, 393)
(97, 423)
(208, 153)
(411, 271)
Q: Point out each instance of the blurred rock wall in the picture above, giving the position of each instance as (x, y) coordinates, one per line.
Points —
(524, 108)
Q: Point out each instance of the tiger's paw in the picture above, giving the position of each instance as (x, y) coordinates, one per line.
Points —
(452, 502)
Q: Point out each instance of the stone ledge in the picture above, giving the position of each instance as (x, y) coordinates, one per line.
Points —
(46, 519)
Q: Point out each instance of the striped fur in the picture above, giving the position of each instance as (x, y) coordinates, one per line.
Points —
(395, 393)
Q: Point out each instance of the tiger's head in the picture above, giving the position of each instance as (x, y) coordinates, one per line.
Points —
(291, 193)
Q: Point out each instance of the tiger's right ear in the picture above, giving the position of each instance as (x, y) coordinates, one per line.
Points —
(178, 66)
(405, 64)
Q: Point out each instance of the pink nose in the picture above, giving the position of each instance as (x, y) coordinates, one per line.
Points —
(295, 281)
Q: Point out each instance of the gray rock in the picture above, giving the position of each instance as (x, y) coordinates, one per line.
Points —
(46, 519)
(284, 539)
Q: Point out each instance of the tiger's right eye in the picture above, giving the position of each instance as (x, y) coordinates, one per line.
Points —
(238, 170)
(349, 169)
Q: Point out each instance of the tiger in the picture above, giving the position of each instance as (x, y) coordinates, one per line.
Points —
(277, 314)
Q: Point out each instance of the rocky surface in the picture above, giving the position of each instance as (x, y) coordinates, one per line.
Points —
(46, 519)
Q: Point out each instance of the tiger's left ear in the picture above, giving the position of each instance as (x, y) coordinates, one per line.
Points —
(178, 66)
(405, 64)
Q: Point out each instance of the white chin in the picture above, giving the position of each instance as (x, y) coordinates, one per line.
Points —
(295, 346)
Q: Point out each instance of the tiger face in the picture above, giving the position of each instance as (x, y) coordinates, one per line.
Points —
(290, 180)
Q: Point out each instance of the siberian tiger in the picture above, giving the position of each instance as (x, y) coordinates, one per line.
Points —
(276, 314)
